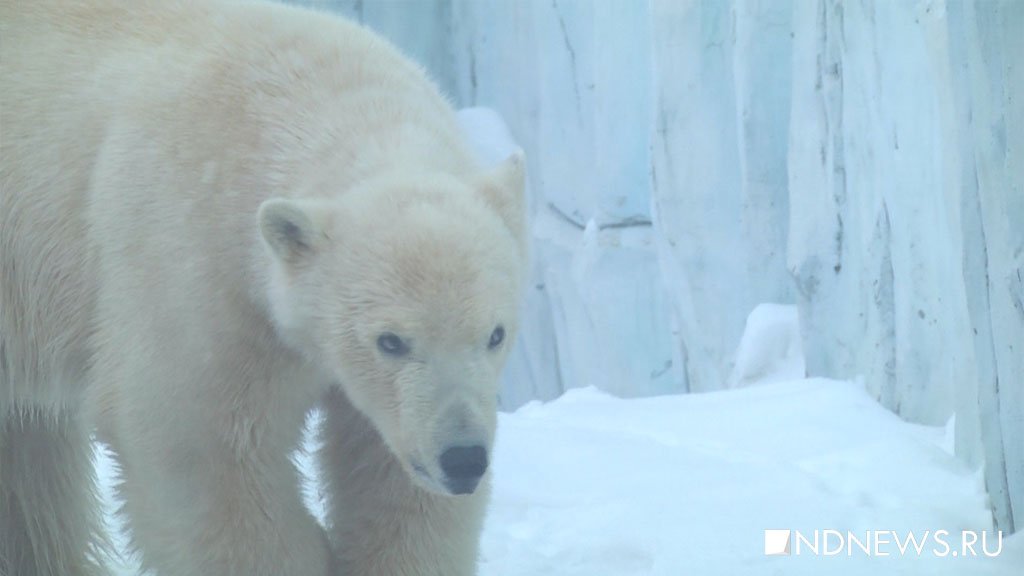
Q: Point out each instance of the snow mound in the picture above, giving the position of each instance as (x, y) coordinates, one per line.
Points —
(591, 485)
(770, 349)
(488, 135)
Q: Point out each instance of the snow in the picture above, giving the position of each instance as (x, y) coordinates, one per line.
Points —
(770, 349)
(593, 485)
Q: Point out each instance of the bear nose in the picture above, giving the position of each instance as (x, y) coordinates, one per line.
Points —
(463, 466)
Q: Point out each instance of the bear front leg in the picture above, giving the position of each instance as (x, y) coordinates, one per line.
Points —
(379, 522)
(49, 512)
(221, 516)
(199, 503)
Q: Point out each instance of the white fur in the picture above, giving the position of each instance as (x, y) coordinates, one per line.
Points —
(210, 213)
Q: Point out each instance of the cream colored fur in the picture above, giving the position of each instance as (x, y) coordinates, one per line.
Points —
(210, 214)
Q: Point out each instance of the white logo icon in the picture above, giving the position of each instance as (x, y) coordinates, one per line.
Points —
(776, 542)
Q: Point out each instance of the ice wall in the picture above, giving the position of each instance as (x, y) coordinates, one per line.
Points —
(907, 215)
(690, 159)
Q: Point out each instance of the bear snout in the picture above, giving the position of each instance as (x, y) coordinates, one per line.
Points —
(463, 467)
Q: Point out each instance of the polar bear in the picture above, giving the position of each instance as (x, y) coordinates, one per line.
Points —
(213, 217)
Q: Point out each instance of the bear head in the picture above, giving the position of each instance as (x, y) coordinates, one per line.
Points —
(406, 289)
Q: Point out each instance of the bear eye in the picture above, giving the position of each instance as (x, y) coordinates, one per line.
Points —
(497, 337)
(392, 345)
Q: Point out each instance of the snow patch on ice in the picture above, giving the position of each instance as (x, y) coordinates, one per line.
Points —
(770, 349)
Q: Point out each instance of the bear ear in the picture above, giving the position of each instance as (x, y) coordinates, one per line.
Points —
(503, 188)
(293, 229)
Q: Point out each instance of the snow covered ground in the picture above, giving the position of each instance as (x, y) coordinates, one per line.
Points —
(592, 485)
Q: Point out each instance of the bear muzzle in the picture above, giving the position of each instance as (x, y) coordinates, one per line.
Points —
(463, 467)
